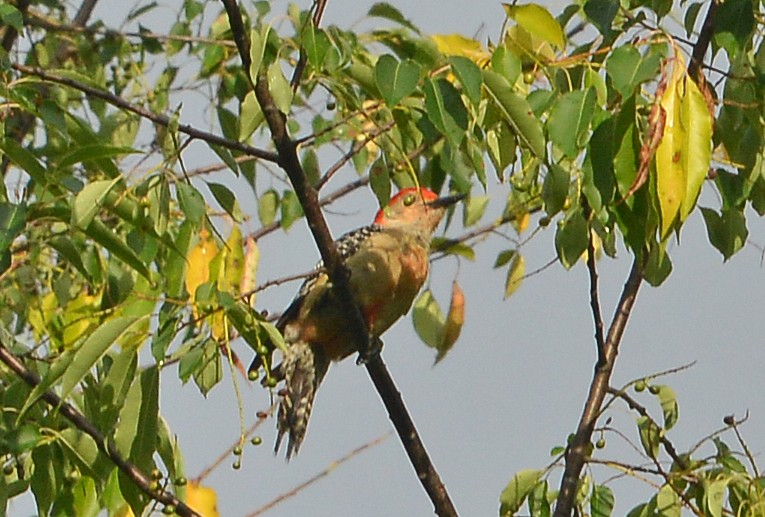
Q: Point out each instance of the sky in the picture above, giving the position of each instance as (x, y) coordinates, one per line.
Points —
(514, 386)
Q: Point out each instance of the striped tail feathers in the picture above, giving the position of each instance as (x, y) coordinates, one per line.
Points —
(303, 368)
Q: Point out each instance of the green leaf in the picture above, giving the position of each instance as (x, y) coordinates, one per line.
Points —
(92, 152)
(602, 502)
(191, 201)
(24, 159)
(727, 231)
(504, 257)
(280, 88)
(316, 44)
(396, 79)
(714, 497)
(291, 209)
(627, 68)
(473, 209)
(516, 111)
(267, 205)
(428, 319)
(469, 76)
(668, 503)
(379, 181)
(602, 14)
(537, 21)
(45, 478)
(93, 350)
(11, 16)
(445, 110)
(658, 267)
(250, 116)
(210, 371)
(89, 201)
(106, 237)
(569, 122)
(571, 239)
(258, 40)
(517, 490)
(669, 407)
(226, 199)
(388, 12)
(555, 189)
(539, 504)
(649, 436)
(85, 497)
(734, 23)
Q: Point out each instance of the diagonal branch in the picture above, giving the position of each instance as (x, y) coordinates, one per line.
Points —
(308, 197)
(162, 120)
(141, 480)
(576, 454)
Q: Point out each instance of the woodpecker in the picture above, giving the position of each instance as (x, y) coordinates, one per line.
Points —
(388, 264)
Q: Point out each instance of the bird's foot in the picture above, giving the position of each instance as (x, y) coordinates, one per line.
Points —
(373, 350)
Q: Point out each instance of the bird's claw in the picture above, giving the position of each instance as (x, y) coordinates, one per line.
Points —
(373, 350)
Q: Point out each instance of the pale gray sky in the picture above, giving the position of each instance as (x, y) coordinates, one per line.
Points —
(515, 383)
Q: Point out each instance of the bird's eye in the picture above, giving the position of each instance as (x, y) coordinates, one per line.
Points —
(408, 200)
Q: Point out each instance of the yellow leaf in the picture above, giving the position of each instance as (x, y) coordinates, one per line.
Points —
(202, 499)
(671, 179)
(459, 45)
(249, 276)
(537, 21)
(199, 262)
(527, 46)
(515, 274)
(233, 263)
(697, 123)
(454, 321)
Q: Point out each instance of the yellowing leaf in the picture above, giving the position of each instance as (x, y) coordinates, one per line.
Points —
(537, 21)
(233, 264)
(685, 151)
(459, 45)
(454, 321)
(697, 123)
(202, 499)
(515, 274)
(81, 316)
(671, 180)
(249, 275)
(199, 262)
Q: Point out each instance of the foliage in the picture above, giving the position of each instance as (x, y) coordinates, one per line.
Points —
(110, 249)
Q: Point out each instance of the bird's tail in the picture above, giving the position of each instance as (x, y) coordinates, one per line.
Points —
(303, 369)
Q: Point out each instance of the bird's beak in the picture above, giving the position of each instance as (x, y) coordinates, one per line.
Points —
(446, 201)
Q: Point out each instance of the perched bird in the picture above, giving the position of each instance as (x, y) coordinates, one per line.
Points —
(388, 264)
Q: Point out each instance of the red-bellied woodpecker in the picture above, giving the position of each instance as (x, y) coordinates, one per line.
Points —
(388, 264)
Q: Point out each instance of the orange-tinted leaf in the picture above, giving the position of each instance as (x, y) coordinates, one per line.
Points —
(249, 274)
(454, 321)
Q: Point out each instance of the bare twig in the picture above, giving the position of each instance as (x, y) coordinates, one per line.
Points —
(227, 453)
(141, 480)
(317, 477)
(576, 454)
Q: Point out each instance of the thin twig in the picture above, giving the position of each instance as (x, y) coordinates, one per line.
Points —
(313, 479)
(162, 120)
(141, 480)
(576, 454)
(227, 453)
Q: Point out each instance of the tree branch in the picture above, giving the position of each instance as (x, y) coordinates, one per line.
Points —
(162, 120)
(576, 454)
(338, 274)
(141, 480)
